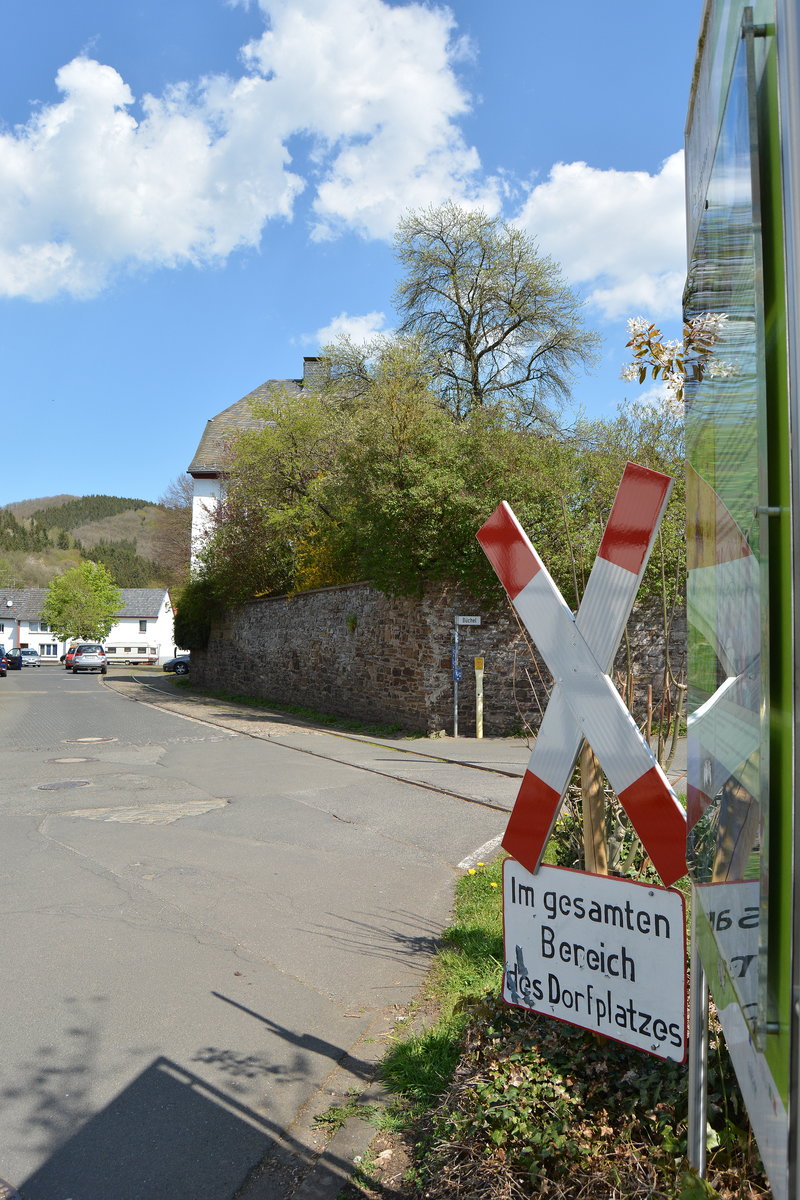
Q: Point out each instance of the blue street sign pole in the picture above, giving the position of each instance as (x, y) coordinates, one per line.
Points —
(456, 677)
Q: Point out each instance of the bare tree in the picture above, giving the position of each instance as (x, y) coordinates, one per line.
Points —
(501, 323)
(173, 531)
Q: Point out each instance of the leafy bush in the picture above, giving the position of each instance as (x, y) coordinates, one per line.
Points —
(195, 610)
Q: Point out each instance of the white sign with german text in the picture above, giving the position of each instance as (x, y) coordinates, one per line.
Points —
(603, 953)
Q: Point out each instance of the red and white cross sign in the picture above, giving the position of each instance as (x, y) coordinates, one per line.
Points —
(579, 652)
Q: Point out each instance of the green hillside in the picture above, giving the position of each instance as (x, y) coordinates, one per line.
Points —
(40, 539)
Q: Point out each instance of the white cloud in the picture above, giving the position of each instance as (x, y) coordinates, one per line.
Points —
(86, 188)
(355, 102)
(621, 233)
(357, 328)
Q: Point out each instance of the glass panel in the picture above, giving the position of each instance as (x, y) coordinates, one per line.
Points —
(727, 610)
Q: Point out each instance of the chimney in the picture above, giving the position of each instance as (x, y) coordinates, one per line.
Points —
(315, 371)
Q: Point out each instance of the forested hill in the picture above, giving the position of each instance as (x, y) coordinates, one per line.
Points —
(42, 538)
(79, 510)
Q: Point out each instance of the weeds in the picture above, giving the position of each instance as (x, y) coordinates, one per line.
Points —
(498, 1103)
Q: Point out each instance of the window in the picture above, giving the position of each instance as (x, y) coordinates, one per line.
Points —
(127, 650)
(33, 626)
(141, 649)
(43, 628)
(143, 627)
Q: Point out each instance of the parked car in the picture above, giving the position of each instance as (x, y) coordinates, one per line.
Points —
(3, 662)
(179, 665)
(16, 659)
(67, 658)
(89, 656)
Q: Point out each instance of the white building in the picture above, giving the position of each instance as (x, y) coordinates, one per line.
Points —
(208, 468)
(143, 631)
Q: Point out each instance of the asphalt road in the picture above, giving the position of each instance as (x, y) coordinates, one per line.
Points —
(206, 919)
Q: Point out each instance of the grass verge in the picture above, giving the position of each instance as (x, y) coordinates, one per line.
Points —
(497, 1103)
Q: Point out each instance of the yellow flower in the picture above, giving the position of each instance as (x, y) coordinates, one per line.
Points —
(481, 864)
(492, 885)
(471, 871)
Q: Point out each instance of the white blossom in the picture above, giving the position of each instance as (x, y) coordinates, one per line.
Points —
(711, 323)
(637, 325)
(717, 369)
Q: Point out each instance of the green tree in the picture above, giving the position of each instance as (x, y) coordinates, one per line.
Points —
(498, 318)
(82, 603)
(273, 501)
(126, 568)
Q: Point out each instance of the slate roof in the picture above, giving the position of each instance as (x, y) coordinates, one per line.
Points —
(210, 455)
(27, 603)
(142, 602)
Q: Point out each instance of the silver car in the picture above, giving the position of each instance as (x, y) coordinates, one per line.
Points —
(30, 658)
(89, 656)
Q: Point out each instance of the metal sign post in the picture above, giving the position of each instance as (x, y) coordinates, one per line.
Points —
(456, 679)
(459, 621)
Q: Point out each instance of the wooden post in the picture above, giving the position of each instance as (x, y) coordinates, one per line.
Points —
(593, 803)
(478, 697)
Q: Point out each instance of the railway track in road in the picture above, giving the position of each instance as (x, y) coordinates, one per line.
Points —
(272, 727)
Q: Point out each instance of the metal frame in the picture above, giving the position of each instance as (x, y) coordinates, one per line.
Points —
(788, 62)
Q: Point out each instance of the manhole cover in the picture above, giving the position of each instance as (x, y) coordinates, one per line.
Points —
(67, 760)
(64, 785)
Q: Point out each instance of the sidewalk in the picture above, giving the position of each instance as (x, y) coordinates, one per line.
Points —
(502, 755)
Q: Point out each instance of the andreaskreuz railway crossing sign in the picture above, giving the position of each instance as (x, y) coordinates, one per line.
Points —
(579, 652)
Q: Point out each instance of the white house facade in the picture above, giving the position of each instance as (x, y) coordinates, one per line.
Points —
(208, 468)
(142, 633)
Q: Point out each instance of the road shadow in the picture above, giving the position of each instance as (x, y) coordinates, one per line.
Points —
(306, 1043)
(394, 934)
(169, 1134)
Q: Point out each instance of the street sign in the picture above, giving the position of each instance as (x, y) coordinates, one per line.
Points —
(468, 620)
(602, 953)
(456, 674)
(579, 652)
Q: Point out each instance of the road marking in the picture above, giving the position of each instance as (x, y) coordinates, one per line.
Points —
(481, 854)
(152, 814)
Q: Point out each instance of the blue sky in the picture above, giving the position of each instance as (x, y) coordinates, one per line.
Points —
(194, 194)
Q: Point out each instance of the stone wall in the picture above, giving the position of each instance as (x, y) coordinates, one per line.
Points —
(355, 652)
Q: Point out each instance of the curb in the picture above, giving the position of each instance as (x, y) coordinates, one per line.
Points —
(302, 1165)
